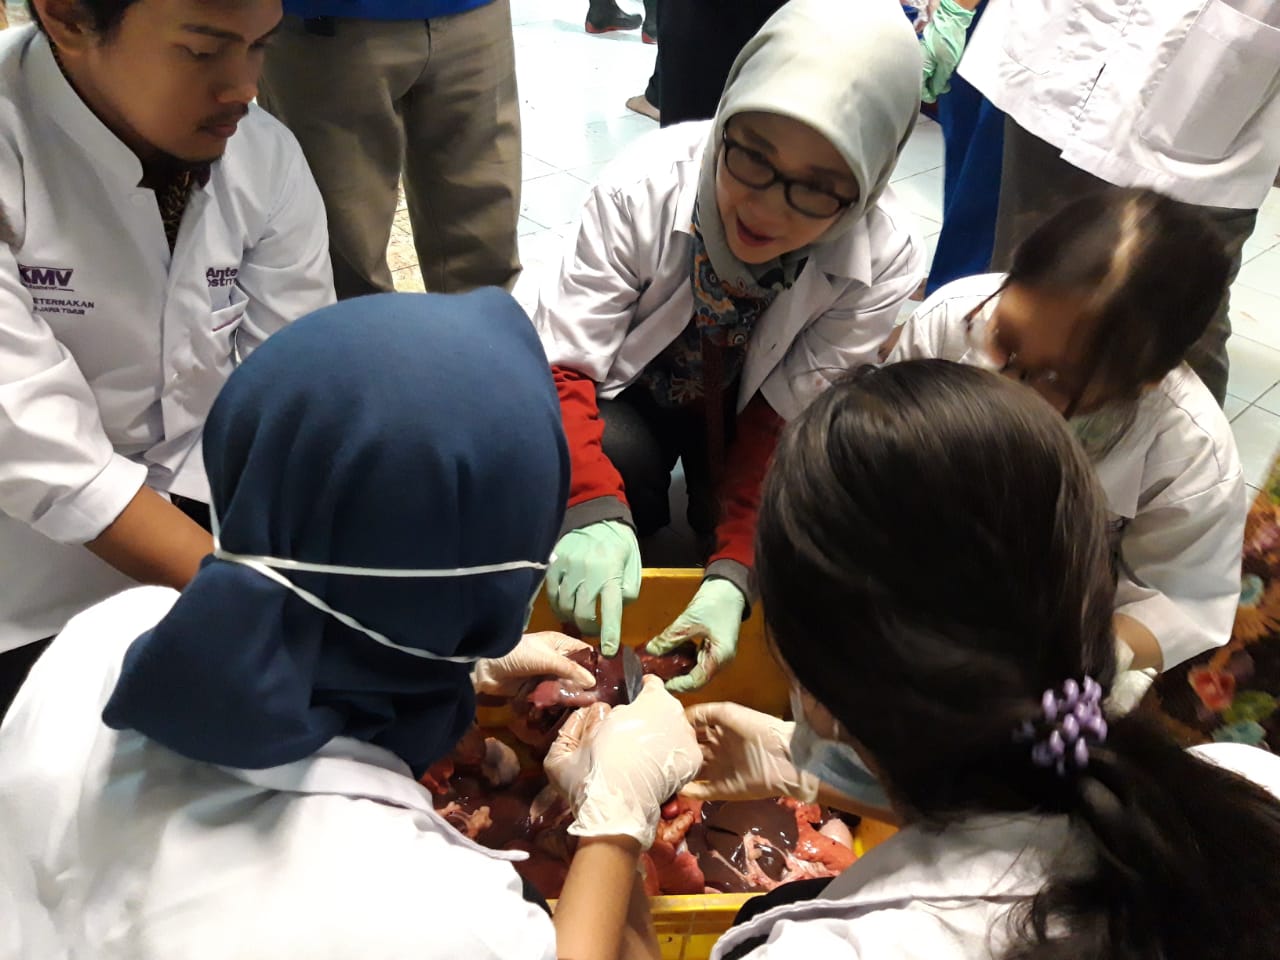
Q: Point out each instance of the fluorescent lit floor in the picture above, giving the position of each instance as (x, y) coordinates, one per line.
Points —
(573, 90)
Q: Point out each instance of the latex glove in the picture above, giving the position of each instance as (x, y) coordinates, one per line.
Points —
(713, 616)
(618, 767)
(746, 755)
(536, 655)
(599, 562)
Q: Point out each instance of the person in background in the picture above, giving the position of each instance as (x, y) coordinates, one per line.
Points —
(723, 274)
(697, 81)
(424, 90)
(646, 104)
(605, 16)
(1182, 97)
(161, 227)
(1101, 306)
(232, 771)
(973, 141)
(947, 634)
(942, 39)
(698, 44)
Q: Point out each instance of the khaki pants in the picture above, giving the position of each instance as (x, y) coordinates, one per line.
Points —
(1036, 182)
(434, 100)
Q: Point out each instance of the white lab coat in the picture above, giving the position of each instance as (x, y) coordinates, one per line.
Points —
(111, 350)
(1173, 484)
(1182, 96)
(141, 854)
(623, 292)
(941, 896)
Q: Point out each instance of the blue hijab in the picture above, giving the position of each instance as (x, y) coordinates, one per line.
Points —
(409, 431)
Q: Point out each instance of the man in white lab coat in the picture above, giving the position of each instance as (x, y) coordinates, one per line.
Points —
(160, 228)
(1182, 96)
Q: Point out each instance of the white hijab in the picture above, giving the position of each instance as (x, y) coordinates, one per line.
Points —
(850, 69)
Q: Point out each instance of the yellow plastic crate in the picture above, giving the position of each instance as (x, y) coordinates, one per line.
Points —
(689, 926)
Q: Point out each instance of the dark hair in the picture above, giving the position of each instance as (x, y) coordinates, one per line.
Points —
(103, 15)
(1154, 270)
(932, 556)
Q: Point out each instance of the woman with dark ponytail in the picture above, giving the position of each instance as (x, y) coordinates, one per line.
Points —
(1101, 306)
(936, 577)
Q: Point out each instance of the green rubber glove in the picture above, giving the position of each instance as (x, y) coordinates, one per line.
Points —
(599, 562)
(713, 616)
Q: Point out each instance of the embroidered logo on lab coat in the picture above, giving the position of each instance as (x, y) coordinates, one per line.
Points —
(46, 278)
(221, 276)
(49, 286)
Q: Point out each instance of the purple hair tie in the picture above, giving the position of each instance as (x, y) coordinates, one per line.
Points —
(1070, 719)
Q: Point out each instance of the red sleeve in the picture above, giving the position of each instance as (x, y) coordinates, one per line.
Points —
(758, 430)
(592, 475)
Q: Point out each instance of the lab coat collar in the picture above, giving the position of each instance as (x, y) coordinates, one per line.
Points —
(848, 257)
(984, 857)
(686, 200)
(73, 115)
(346, 767)
(992, 858)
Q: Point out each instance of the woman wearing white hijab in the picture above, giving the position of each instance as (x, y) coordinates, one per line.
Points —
(723, 275)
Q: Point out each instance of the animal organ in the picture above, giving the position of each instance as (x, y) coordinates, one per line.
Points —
(499, 796)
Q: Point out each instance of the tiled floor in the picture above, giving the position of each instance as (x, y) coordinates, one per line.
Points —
(573, 89)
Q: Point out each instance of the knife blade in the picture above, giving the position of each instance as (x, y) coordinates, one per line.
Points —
(632, 674)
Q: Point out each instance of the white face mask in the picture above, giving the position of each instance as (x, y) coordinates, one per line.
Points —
(834, 763)
(267, 567)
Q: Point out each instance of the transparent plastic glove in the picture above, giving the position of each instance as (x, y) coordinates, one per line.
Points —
(618, 771)
(746, 755)
(536, 655)
(600, 562)
(713, 616)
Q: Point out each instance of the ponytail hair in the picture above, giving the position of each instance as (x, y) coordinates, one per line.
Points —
(1186, 860)
(932, 557)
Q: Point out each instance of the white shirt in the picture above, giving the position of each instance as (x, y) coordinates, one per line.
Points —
(941, 896)
(111, 349)
(1173, 484)
(623, 292)
(1182, 96)
(141, 854)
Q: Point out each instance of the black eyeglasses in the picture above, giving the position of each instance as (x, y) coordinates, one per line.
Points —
(752, 169)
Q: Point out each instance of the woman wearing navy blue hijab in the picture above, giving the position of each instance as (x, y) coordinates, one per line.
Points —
(231, 771)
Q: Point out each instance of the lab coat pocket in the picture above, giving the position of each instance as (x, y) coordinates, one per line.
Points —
(218, 349)
(210, 358)
(1214, 83)
(1028, 38)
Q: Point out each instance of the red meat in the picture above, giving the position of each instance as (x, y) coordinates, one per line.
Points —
(747, 847)
(818, 847)
(540, 707)
(608, 672)
(677, 870)
(757, 845)
(678, 816)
